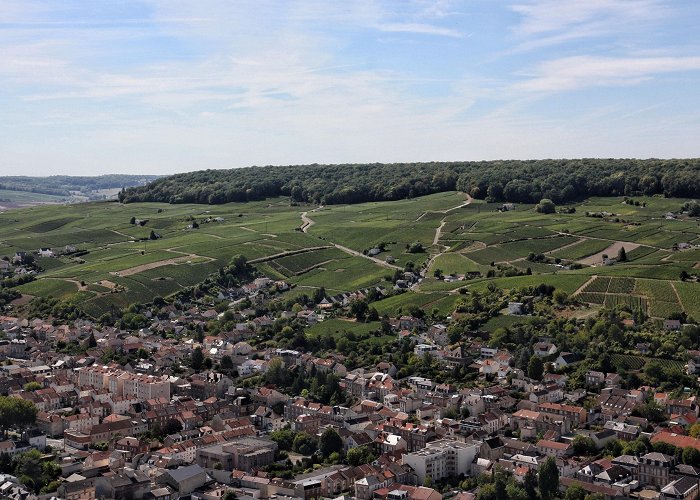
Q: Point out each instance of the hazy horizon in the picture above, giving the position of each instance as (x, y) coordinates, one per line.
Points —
(156, 87)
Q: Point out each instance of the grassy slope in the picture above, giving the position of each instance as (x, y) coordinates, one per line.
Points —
(471, 237)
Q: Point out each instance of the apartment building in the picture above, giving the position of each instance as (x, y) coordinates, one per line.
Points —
(443, 458)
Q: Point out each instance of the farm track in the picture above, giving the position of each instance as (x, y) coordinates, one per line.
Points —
(438, 233)
(287, 253)
(567, 246)
(154, 265)
(307, 222)
(360, 254)
(678, 297)
(582, 287)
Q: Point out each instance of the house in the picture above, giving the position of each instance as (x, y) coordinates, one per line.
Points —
(515, 308)
(544, 349)
(127, 484)
(622, 430)
(613, 380)
(554, 448)
(566, 359)
(45, 252)
(654, 469)
(672, 324)
(184, 479)
(594, 378)
(684, 488)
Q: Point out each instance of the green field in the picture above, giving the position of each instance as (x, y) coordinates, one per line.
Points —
(455, 238)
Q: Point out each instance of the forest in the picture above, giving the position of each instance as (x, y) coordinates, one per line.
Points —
(510, 180)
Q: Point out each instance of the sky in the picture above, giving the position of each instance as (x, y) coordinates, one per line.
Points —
(163, 86)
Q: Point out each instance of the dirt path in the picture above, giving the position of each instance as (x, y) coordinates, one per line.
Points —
(678, 297)
(567, 246)
(306, 222)
(579, 289)
(122, 234)
(447, 211)
(611, 251)
(154, 265)
(467, 202)
(76, 283)
(438, 232)
(373, 259)
(287, 253)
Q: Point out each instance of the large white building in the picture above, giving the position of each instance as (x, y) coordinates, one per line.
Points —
(443, 458)
(122, 383)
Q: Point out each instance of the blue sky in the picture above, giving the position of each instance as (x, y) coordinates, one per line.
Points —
(162, 86)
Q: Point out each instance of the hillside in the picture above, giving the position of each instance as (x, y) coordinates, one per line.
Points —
(512, 181)
(114, 262)
(24, 191)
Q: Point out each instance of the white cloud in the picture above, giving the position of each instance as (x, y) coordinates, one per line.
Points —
(577, 72)
(419, 28)
(548, 16)
(545, 23)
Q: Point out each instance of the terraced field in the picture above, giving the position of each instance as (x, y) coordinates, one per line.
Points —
(657, 298)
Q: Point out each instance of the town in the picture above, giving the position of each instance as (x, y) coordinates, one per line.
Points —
(234, 399)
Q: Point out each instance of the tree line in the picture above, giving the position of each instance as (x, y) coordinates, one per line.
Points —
(520, 181)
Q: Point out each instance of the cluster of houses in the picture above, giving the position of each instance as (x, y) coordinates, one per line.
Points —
(215, 430)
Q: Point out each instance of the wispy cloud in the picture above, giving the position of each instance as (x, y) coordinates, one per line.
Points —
(578, 72)
(550, 22)
(164, 85)
(419, 28)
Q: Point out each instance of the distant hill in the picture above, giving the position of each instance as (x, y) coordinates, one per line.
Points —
(57, 188)
(511, 180)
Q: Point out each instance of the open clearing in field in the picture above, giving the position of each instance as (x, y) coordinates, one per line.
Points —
(154, 265)
(611, 251)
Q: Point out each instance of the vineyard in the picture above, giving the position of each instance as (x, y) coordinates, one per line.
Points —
(294, 265)
(636, 363)
(654, 297)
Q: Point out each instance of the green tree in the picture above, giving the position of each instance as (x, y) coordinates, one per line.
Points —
(548, 479)
(535, 367)
(530, 484)
(32, 386)
(16, 413)
(622, 255)
(691, 456)
(546, 206)
(284, 438)
(560, 297)
(486, 492)
(319, 295)
(172, 426)
(197, 359)
(226, 362)
(330, 442)
(575, 493)
(584, 446)
(360, 455)
(304, 444)
(91, 341)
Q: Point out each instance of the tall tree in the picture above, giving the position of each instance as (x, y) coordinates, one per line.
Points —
(535, 368)
(548, 480)
(197, 359)
(330, 442)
